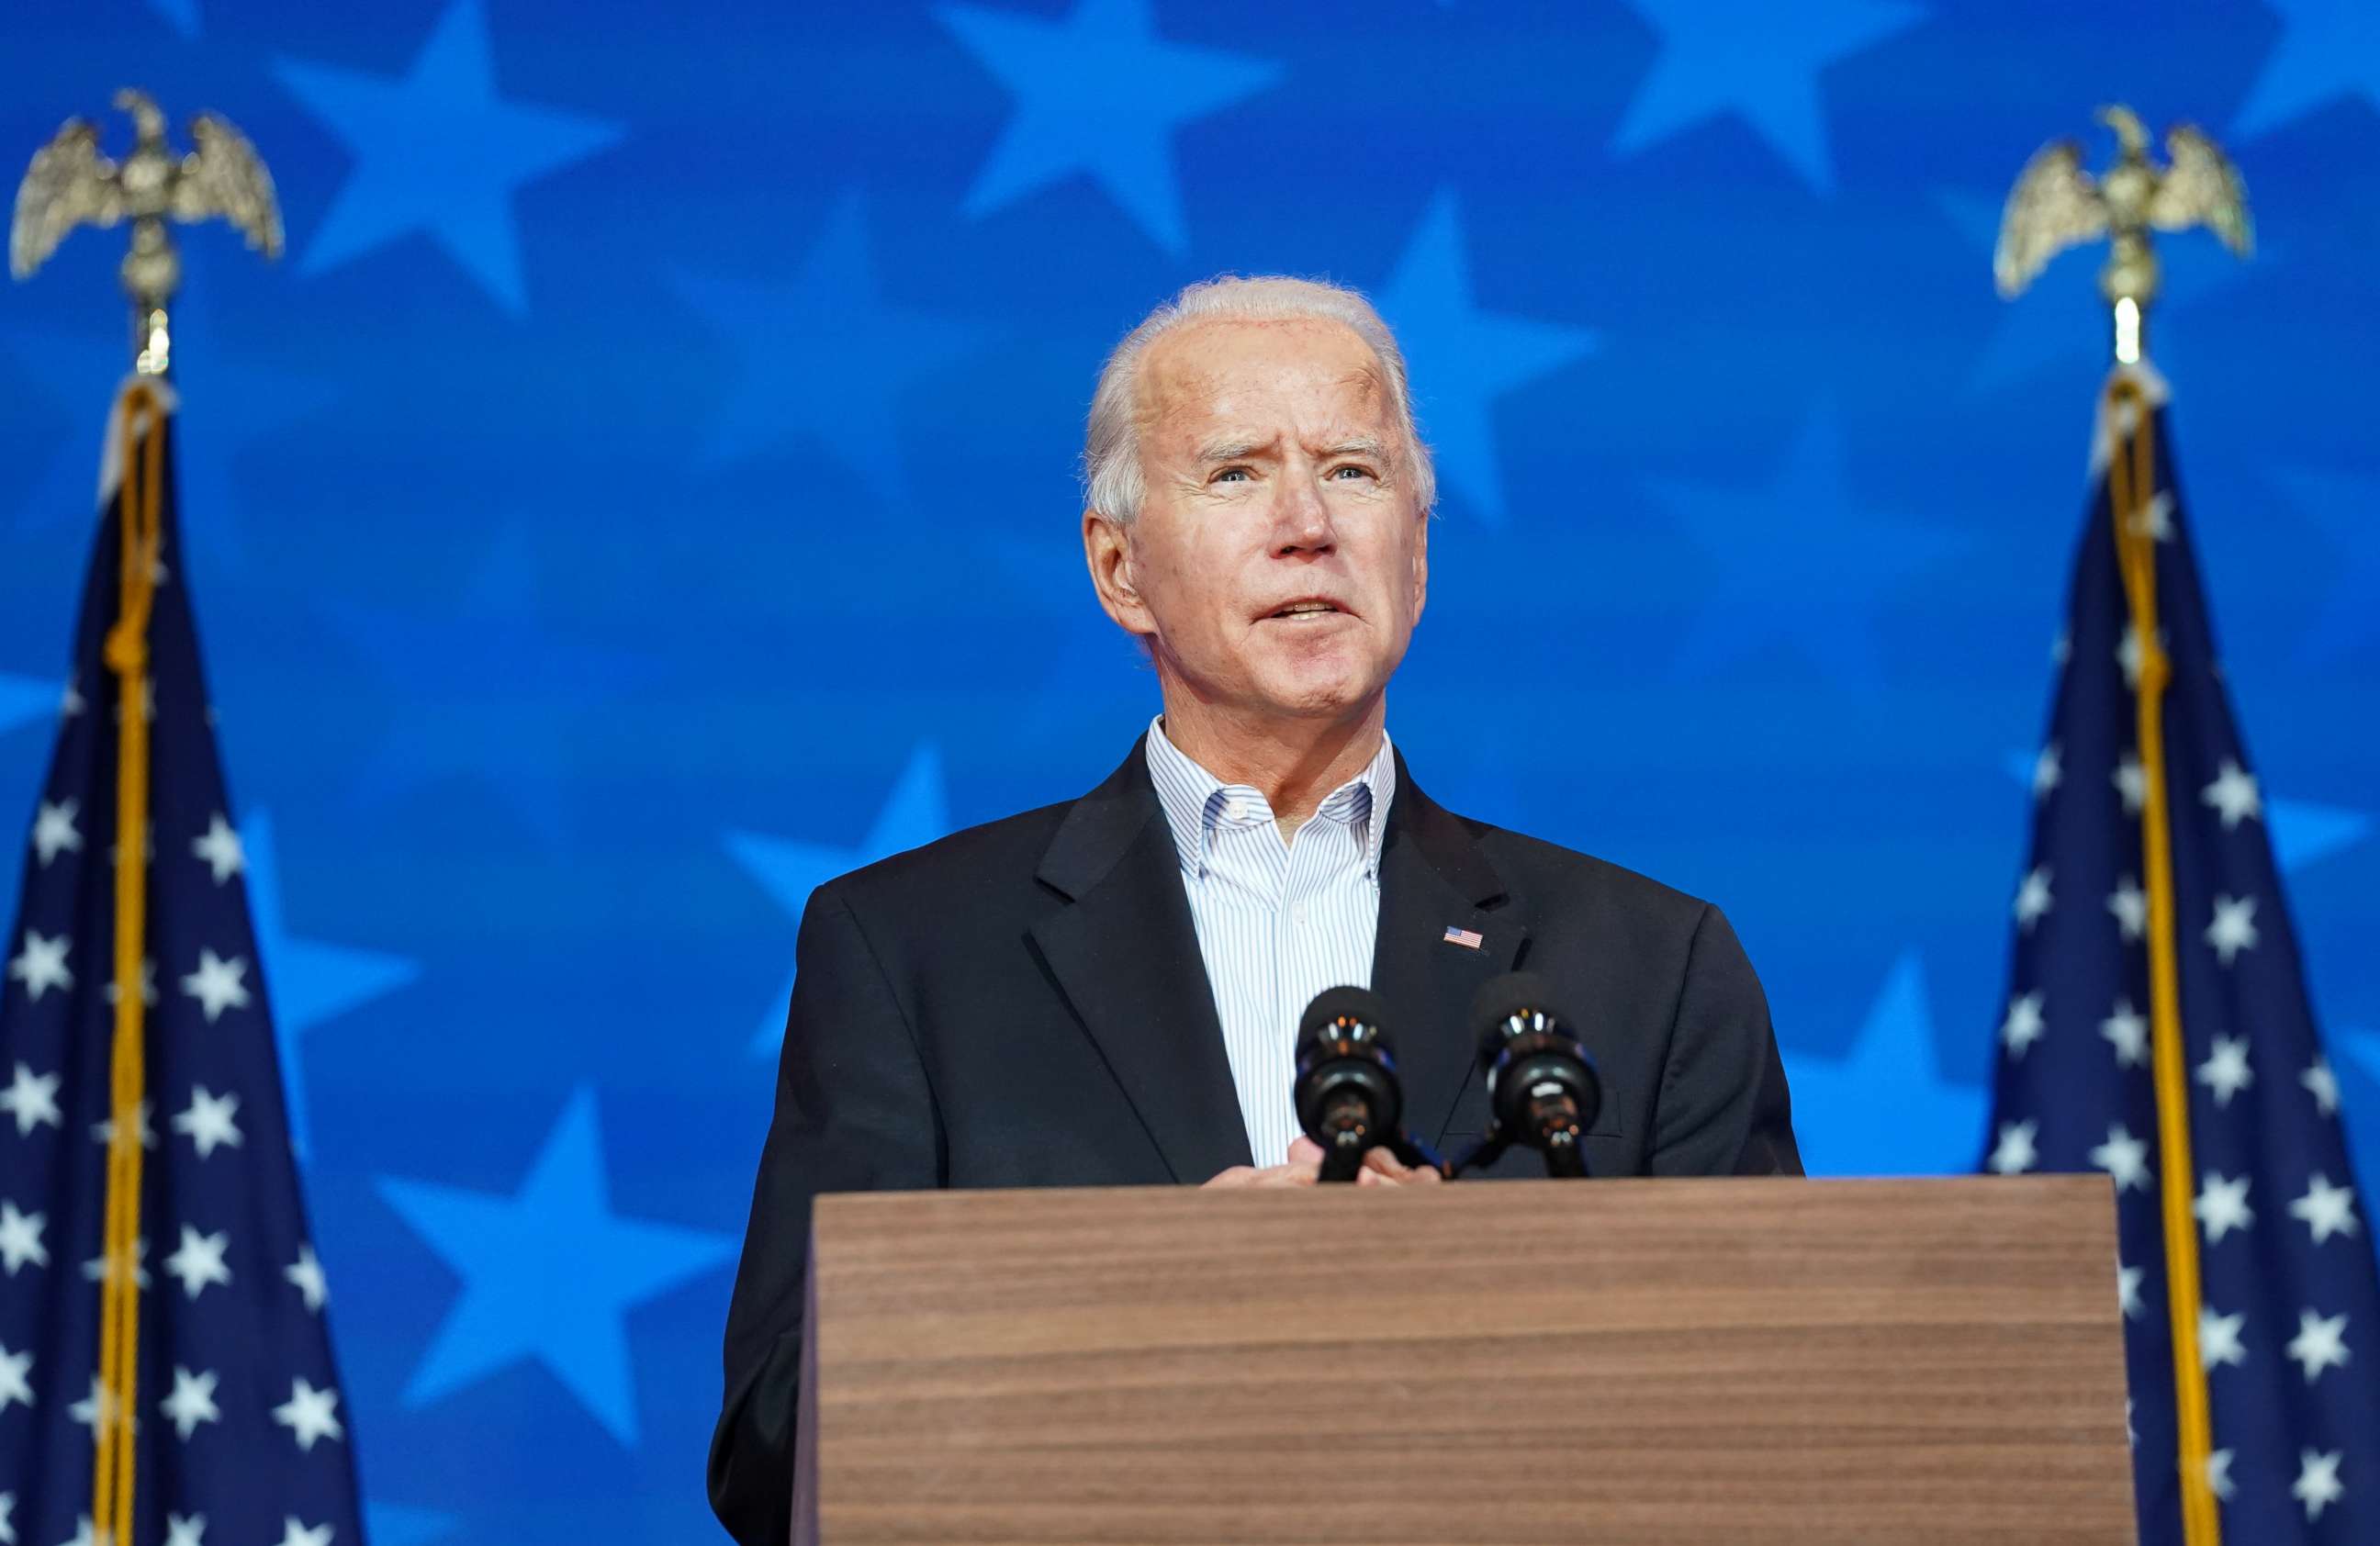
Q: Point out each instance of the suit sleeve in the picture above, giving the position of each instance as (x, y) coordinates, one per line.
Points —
(1723, 1108)
(853, 1113)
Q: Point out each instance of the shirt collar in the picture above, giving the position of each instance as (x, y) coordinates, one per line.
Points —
(1197, 804)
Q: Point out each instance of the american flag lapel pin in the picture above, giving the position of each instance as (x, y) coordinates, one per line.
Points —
(1470, 939)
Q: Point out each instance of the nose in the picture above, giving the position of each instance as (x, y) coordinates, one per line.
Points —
(1302, 519)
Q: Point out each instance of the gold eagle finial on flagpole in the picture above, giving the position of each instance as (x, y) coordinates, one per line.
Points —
(70, 182)
(2056, 205)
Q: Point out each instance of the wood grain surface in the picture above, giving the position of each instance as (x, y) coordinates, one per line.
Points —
(1658, 1361)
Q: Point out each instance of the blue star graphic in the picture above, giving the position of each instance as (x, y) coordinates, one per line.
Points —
(1886, 1109)
(2329, 48)
(825, 355)
(502, 727)
(1797, 561)
(182, 16)
(438, 151)
(1099, 93)
(2047, 325)
(1747, 57)
(915, 813)
(24, 699)
(1463, 358)
(310, 983)
(2302, 832)
(81, 369)
(548, 1273)
(2348, 617)
(392, 1525)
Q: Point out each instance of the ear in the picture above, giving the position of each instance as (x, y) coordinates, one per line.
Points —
(1107, 552)
(1421, 563)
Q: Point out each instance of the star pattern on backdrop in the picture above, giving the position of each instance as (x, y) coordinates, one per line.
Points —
(2328, 49)
(1886, 1108)
(182, 16)
(314, 983)
(549, 1273)
(438, 151)
(915, 813)
(2344, 623)
(1098, 94)
(1463, 357)
(1718, 56)
(866, 352)
(1798, 561)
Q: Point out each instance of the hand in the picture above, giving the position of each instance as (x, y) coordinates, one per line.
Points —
(1303, 1167)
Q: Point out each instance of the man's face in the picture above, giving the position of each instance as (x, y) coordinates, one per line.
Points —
(1279, 559)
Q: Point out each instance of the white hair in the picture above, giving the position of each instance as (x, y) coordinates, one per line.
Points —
(1113, 481)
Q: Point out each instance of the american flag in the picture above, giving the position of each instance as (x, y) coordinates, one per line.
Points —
(240, 1436)
(2285, 1325)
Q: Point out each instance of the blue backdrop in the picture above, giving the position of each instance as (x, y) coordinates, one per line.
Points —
(646, 490)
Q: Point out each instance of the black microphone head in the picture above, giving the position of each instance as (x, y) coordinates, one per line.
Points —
(1343, 1006)
(1529, 1053)
(1346, 1070)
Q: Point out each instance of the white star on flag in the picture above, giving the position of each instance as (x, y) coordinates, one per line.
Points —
(8, 1512)
(208, 1120)
(2234, 928)
(2320, 1344)
(2154, 519)
(21, 1239)
(2317, 1483)
(2123, 1157)
(103, 1130)
(200, 1259)
(2222, 1205)
(43, 964)
(2128, 1290)
(307, 1274)
(2033, 898)
(217, 985)
(192, 1403)
(33, 1100)
(221, 848)
(2128, 1033)
(2015, 1151)
(107, 1266)
(97, 1408)
(2218, 1474)
(2046, 771)
(2024, 1023)
(148, 984)
(2233, 793)
(16, 1383)
(180, 1531)
(295, 1534)
(2226, 1072)
(2218, 1340)
(2326, 1210)
(2323, 1085)
(54, 831)
(2132, 783)
(2130, 906)
(307, 1415)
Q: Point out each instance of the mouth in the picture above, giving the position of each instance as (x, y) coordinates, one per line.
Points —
(1309, 610)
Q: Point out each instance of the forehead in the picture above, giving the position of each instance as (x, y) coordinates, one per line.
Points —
(1306, 374)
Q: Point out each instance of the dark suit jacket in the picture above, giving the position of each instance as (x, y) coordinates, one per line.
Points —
(1024, 1004)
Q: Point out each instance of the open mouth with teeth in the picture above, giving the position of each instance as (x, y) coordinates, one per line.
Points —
(1306, 611)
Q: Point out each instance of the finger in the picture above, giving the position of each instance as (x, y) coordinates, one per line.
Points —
(1237, 1175)
(1303, 1148)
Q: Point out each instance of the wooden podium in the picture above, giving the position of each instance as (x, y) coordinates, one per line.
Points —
(1687, 1360)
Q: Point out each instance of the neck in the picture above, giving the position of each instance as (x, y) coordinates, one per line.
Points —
(1295, 763)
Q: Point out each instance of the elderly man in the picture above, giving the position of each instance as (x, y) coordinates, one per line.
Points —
(1106, 992)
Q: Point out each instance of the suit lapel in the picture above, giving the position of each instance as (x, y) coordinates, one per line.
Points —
(1125, 954)
(1434, 878)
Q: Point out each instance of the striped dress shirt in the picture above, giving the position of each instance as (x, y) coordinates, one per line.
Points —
(1277, 922)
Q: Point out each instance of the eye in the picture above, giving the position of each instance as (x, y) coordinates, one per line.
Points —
(1240, 474)
(1356, 468)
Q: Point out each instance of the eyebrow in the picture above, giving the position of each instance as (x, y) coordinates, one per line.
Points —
(1236, 450)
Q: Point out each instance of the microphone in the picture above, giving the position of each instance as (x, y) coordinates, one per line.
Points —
(1348, 1096)
(1543, 1090)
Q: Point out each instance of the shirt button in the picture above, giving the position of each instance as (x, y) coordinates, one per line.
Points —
(1298, 914)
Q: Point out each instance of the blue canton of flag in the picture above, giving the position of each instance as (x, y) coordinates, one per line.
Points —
(239, 1439)
(2287, 1285)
